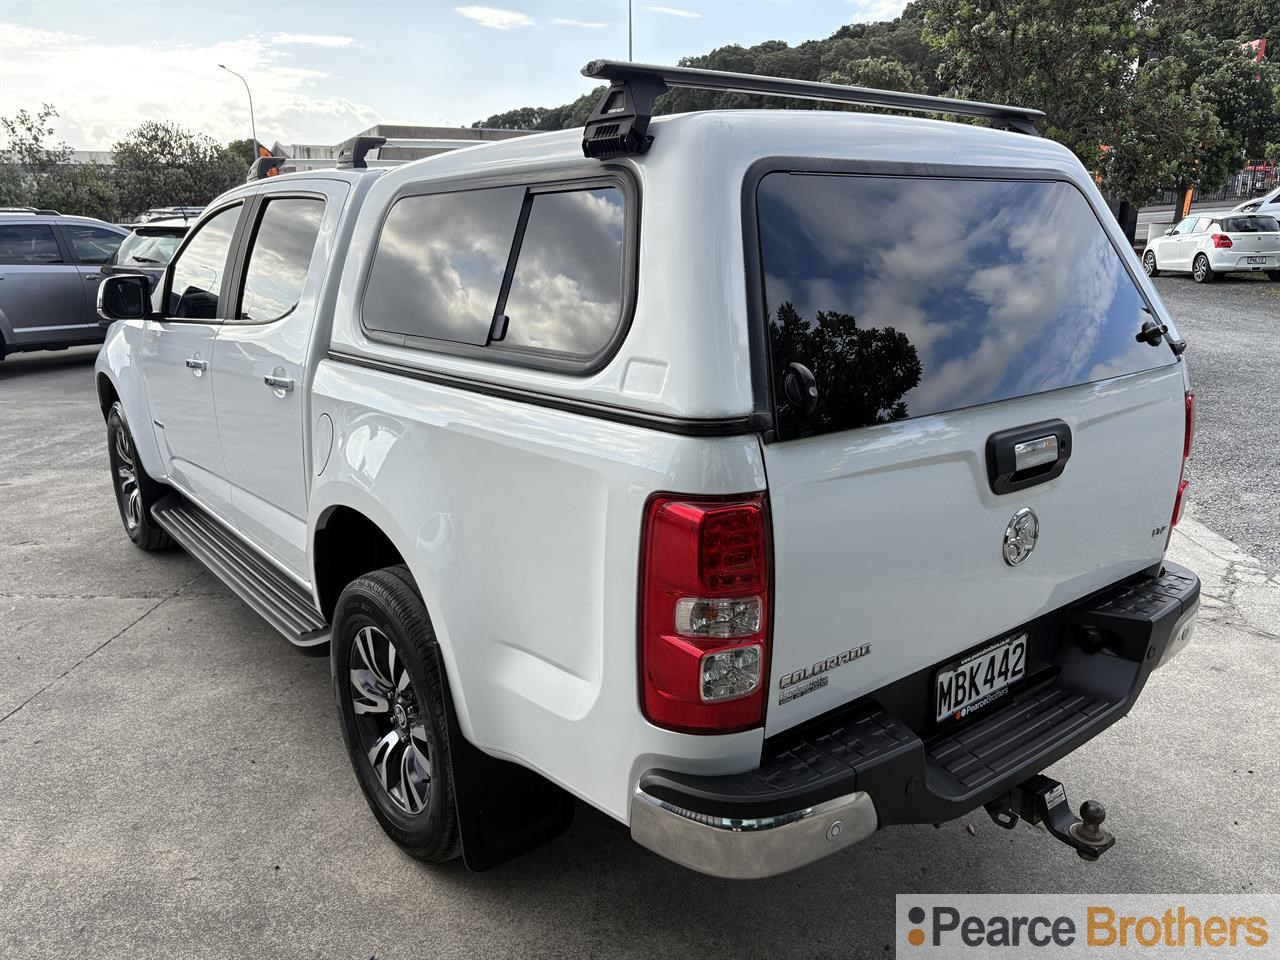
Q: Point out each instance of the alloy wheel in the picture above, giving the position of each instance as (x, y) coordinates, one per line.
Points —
(1149, 262)
(127, 480)
(389, 720)
(1200, 269)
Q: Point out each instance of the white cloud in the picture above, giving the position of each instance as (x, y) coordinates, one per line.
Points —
(496, 19)
(184, 87)
(676, 12)
(312, 39)
(873, 11)
(588, 24)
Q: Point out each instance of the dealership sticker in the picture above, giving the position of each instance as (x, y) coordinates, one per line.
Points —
(1087, 925)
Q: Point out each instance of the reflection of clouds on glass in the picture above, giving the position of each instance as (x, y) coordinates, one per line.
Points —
(440, 262)
(280, 258)
(1004, 287)
(200, 266)
(566, 292)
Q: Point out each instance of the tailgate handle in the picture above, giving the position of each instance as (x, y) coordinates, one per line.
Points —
(1024, 456)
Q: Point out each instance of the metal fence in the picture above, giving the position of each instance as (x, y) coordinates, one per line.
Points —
(1255, 178)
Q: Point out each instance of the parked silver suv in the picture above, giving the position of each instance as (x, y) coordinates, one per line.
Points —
(50, 268)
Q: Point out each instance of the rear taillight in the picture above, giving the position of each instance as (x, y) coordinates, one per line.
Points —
(704, 612)
(1188, 431)
(1220, 240)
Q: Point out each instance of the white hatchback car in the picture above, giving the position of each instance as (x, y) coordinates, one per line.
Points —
(1268, 203)
(1207, 245)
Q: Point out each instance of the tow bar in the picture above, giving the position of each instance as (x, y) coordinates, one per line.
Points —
(1044, 800)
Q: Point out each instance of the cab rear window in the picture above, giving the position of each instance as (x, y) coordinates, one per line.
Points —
(906, 296)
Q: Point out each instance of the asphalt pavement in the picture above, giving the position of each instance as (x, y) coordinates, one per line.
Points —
(173, 781)
(1232, 329)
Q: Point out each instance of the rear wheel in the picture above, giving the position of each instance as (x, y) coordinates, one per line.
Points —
(136, 493)
(1201, 271)
(389, 687)
(1273, 275)
(1149, 263)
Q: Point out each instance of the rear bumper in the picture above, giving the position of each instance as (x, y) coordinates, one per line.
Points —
(1234, 261)
(836, 780)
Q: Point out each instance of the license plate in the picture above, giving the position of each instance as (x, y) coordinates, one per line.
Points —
(979, 679)
(1257, 260)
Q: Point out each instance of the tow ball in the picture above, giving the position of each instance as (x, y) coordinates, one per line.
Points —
(1044, 800)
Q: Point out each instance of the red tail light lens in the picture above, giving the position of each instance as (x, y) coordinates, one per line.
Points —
(1220, 240)
(1183, 483)
(704, 612)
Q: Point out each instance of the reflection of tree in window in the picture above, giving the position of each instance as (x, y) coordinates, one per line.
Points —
(862, 374)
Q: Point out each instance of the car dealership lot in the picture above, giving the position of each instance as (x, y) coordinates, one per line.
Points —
(173, 781)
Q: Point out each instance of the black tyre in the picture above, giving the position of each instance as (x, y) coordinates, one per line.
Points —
(1149, 264)
(136, 493)
(1201, 271)
(391, 700)
(1273, 276)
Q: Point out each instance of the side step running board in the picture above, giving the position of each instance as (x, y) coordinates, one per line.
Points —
(275, 597)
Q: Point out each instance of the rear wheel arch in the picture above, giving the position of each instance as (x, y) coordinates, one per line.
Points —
(347, 544)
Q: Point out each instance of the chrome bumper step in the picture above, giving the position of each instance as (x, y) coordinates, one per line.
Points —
(272, 594)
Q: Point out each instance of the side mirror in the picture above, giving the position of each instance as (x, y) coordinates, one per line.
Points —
(1169, 232)
(124, 297)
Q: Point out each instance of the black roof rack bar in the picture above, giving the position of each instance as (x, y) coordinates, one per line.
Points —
(360, 146)
(620, 121)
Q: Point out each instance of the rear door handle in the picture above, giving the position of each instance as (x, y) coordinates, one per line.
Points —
(196, 364)
(278, 383)
(1025, 456)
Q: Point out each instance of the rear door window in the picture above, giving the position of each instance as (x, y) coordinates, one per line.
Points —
(28, 243)
(279, 258)
(907, 296)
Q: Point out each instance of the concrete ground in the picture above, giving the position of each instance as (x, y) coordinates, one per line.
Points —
(173, 781)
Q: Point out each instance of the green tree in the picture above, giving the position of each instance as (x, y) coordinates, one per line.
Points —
(243, 151)
(161, 164)
(27, 157)
(1071, 58)
(83, 189)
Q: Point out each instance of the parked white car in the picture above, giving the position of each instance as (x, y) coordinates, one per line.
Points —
(1268, 203)
(669, 466)
(1207, 245)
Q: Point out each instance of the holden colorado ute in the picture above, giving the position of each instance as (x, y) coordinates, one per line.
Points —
(760, 478)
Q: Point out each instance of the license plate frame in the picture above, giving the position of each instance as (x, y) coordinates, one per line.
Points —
(995, 678)
(1253, 260)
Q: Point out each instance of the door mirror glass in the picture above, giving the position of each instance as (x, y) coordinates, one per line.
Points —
(1169, 232)
(124, 297)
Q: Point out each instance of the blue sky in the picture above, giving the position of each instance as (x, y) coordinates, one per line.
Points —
(325, 69)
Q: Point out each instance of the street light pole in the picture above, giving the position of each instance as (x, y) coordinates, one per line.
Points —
(253, 127)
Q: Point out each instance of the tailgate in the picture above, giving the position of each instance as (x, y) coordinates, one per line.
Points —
(890, 540)
(915, 325)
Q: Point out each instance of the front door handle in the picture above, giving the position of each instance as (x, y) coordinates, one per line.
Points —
(195, 363)
(278, 383)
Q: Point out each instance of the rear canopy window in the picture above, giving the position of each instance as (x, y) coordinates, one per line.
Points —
(906, 297)
(547, 259)
(1250, 225)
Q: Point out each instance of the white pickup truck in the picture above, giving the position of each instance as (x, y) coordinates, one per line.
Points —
(761, 478)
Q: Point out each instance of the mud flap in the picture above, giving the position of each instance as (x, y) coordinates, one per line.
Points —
(504, 809)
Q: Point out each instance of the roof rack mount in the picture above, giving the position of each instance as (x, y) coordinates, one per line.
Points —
(619, 124)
